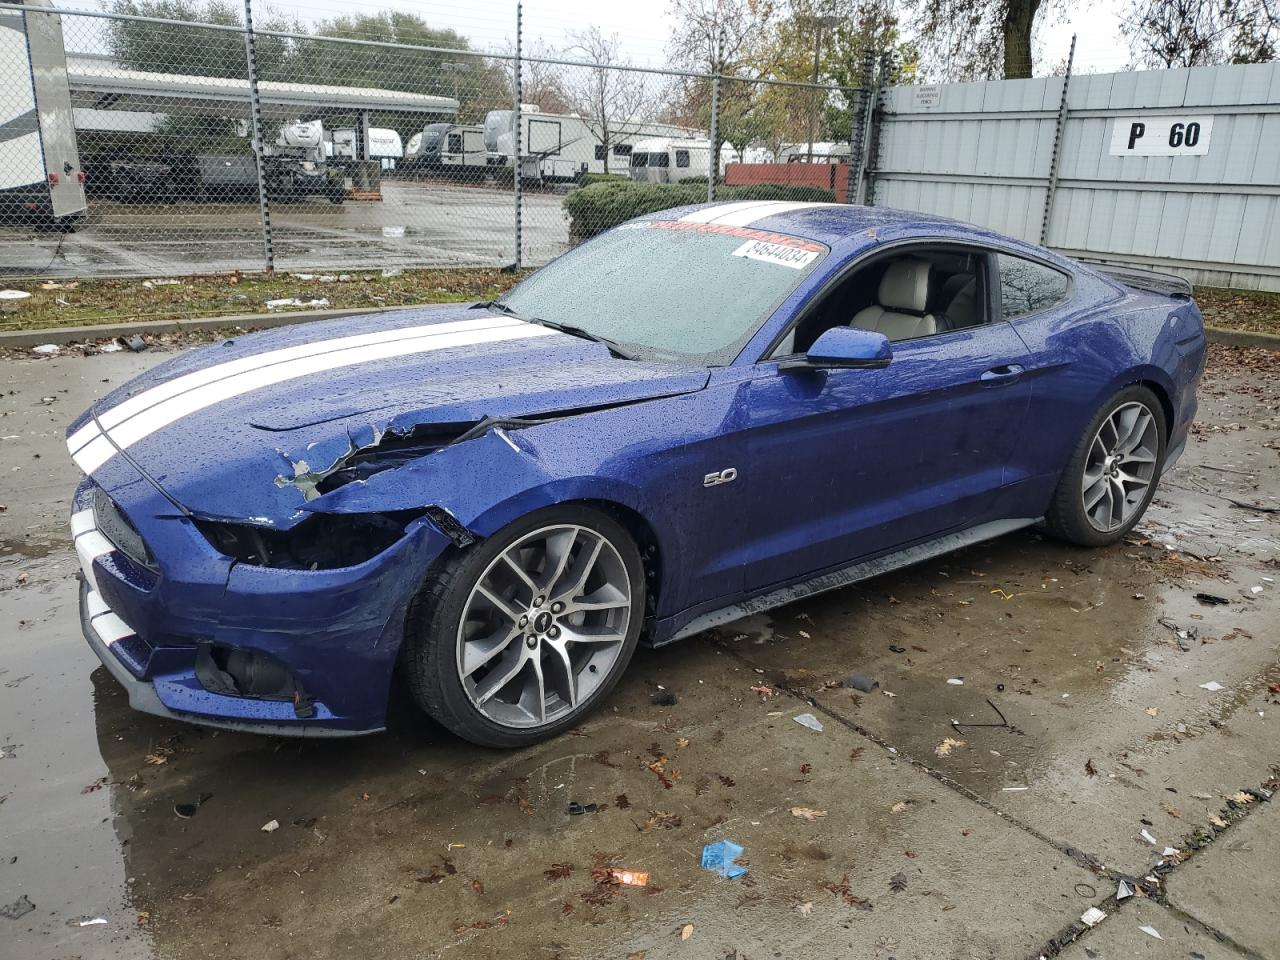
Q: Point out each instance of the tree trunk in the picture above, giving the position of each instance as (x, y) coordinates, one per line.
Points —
(1019, 18)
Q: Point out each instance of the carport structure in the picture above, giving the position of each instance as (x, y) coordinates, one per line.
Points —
(98, 83)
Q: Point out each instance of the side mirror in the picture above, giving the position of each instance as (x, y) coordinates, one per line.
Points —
(842, 348)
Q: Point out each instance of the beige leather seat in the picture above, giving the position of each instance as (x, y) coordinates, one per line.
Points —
(900, 312)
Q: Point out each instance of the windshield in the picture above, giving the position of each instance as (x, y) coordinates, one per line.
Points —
(670, 290)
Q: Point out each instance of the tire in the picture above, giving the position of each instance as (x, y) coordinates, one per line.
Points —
(440, 648)
(1093, 466)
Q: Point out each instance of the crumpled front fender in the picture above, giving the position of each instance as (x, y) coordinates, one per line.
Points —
(488, 482)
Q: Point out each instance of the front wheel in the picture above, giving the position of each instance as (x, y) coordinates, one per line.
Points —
(1111, 477)
(517, 638)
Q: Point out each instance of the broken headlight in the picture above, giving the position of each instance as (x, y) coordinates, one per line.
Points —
(322, 541)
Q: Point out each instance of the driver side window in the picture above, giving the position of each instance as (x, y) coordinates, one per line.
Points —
(910, 294)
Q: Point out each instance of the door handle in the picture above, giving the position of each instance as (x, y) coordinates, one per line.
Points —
(1007, 373)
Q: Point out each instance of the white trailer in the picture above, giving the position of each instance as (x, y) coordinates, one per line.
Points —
(672, 159)
(564, 147)
(41, 179)
(822, 152)
(384, 146)
(448, 147)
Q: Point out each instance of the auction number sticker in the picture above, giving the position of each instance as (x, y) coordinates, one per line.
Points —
(785, 255)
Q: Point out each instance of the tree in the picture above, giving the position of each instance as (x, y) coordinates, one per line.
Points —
(192, 50)
(978, 39)
(608, 100)
(475, 82)
(541, 83)
(724, 38)
(1190, 33)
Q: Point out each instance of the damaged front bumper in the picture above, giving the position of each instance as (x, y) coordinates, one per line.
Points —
(200, 638)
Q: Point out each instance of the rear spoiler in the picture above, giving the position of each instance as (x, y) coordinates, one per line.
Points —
(1164, 283)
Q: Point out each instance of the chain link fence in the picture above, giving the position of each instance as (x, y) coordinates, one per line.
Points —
(139, 146)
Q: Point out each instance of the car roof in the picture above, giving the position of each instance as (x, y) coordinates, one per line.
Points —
(824, 222)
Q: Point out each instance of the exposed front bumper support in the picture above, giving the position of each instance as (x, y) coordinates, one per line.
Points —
(143, 696)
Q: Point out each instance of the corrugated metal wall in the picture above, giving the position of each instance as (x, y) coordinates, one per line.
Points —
(982, 152)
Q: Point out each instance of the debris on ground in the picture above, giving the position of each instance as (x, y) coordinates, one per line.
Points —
(576, 809)
(19, 908)
(1213, 686)
(719, 858)
(662, 697)
(296, 302)
(628, 878)
(46, 349)
(1211, 599)
(860, 681)
(135, 343)
(1124, 890)
(188, 810)
(807, 813)
(810, 721)
(956, 681)
(898, 882)
(1092, 917)
(1146, 835)
(87, 922)
(686, 931)
(947, 745)
(1150, 931)
(271, 826)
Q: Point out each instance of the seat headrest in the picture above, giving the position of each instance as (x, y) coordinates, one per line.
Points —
(905, 285)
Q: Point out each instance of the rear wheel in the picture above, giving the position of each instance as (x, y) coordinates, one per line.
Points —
(518, 638)
(1112, 475)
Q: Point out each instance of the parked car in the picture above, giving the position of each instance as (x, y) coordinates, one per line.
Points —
(702, 413)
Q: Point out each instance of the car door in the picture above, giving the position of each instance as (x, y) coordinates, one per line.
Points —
(850, 463)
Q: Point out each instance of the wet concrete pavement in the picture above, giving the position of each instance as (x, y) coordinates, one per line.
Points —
(890, 833)
(413, 225)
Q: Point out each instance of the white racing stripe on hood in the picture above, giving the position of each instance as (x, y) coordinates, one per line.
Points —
(126, 432)
(198, 378)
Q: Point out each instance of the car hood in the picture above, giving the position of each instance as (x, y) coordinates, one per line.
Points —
(245, 429)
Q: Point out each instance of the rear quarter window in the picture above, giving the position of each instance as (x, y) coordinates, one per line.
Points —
(1029, 287)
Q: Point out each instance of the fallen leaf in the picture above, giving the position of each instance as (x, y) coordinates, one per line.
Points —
(1089, 768)
(477, 886)
(155, 758)
(856, 753)
(621, 801)
(804, 909)
(1153, 711)
(1241, 797)
(558, 871)
(682, 742)
(900, 806)
(637, 954)
(947, 745)
(686, 931)
(898, 882)
(807, 813)
(1217, 821)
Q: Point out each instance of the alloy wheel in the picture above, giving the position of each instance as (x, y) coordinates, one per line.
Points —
(544, 625)
(1120, 466)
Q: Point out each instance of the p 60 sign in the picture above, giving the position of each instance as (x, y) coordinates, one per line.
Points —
(1167, 136)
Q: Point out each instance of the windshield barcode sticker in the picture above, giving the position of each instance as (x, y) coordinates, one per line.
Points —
(780, 253)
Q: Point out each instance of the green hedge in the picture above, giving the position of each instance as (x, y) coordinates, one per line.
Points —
(598, 207)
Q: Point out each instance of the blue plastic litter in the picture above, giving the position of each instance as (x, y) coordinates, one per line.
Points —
(719, 858)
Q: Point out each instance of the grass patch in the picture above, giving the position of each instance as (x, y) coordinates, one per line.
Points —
(74, 303)
(1249, 310)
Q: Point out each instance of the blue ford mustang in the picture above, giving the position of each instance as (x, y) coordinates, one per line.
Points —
(701, 413)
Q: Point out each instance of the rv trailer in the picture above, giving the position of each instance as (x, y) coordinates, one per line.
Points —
(41, 180)
(563, 147)
(672, 159)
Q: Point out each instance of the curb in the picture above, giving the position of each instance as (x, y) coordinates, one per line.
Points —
(107, 331)
(1242, 338)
